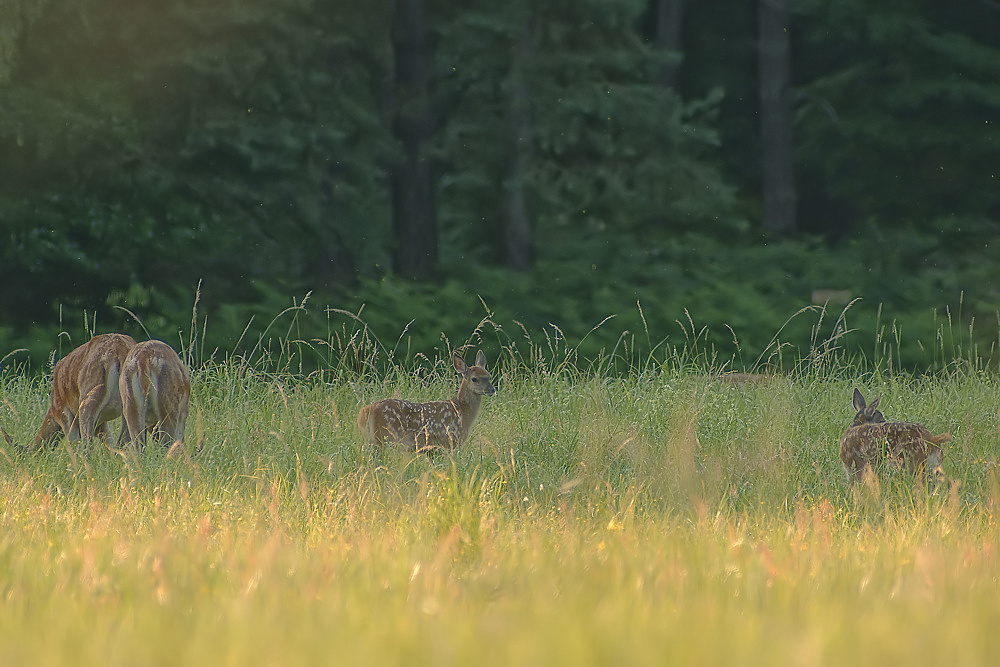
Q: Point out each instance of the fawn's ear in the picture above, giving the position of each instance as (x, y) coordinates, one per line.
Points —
(459, 363)
(480, 359)
(859, 401)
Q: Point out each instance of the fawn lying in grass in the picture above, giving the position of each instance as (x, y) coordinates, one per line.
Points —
(871, 440)
(155, 390)
(85, 396)
(429, 427)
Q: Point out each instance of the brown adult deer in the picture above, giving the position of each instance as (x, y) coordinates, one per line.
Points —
(155, 391)
(429, 427)
(85, 396)
(871, 440)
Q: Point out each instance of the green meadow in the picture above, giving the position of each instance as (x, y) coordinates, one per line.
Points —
(656, 515)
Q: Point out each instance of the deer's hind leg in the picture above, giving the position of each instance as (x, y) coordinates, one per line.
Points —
(101, 400)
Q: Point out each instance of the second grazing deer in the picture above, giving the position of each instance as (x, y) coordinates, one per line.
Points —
(85, 396)
(430, 427)
(155, 390)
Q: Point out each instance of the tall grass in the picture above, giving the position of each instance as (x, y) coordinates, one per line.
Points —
(596, 516)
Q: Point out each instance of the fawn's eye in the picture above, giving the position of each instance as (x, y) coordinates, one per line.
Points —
(475, 379)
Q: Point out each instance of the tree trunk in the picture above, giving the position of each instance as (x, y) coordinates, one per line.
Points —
(518, 252)
(412, 179)
(669, 15)
(777, 150)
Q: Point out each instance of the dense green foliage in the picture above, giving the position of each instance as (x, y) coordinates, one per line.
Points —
(245, 151)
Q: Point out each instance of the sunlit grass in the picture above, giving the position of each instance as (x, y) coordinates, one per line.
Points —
(656, 517)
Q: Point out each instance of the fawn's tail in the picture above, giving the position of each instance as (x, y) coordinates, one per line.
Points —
(940, 439)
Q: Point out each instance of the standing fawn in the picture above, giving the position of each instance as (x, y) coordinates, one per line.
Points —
(85, 397)
(871, 440)
(429, 427)
(155, 390)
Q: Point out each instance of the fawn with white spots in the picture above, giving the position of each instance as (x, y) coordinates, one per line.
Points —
(429, 427)
(155, 390)
(85, 396)
(871, 440)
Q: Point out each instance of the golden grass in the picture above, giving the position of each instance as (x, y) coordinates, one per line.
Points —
(677, 521)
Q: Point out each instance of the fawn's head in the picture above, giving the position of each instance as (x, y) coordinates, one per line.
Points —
(475, 378)
(867, 414)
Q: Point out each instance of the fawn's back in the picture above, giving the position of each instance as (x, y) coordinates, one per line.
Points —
(899, 444)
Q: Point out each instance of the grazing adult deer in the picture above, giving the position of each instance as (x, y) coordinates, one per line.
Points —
(85, 396)
(871, 440)
(155, 391)
(429, 427)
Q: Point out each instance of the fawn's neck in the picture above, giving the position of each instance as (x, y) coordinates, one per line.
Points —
(467, 402)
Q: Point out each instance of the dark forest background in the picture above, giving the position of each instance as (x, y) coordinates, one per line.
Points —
(700, 171)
